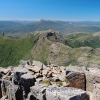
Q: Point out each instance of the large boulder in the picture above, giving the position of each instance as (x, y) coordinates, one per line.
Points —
(17, 72)
(76, 80)
(27, 80)
(41, 92)
(39, 64)
(65, 93)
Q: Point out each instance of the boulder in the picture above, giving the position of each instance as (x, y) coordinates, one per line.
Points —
(4, 87)
(39, 64)
(76, 80)
(81, 69)
(42, 92)
(96, 91)
(17, 72)
(65, 93)
(27, 80)
(92, 77)
(35, 69)
(37, 92)
(15, 92)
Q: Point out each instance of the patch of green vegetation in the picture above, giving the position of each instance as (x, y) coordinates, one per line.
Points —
(46, 82)
(59, 83)
(82, 40)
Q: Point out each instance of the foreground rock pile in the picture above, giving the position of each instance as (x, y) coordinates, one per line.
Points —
(40, 82)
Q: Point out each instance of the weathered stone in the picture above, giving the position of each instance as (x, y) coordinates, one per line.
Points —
(39, 64)
(89, 81)
(27, 80)
(61, 77)
(37, 92)
(5, 70)
(35, 69)
(17, 72)
(41, 92)
(4, 98)
(92, 77)
(15, 92)
(96, 91)
(65, 93)
(4, 87)
(76, 69)
(76, 80)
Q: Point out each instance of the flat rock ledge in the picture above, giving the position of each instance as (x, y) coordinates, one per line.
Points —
(35, 81)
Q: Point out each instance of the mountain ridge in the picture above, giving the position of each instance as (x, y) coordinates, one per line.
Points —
(47, 47)
(64, 27)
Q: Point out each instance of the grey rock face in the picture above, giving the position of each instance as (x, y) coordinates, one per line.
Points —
(41, 92)
(15, 92)
(27, 80)
(39, 64)
(65, 93)
(38, 92)
(17, 72)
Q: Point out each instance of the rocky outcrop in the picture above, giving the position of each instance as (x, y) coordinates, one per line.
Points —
(85, 78)
(41, 92)
(35, 81)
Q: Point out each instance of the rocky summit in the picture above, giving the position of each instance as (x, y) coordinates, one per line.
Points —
(35, 81)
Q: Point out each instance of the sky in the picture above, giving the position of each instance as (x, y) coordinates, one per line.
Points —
(66, 10)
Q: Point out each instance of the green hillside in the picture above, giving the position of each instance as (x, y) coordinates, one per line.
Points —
(56, 52)
(49, 47)
(13, 50)
(82, 40)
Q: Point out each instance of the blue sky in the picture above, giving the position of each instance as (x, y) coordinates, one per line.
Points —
(69, 10)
